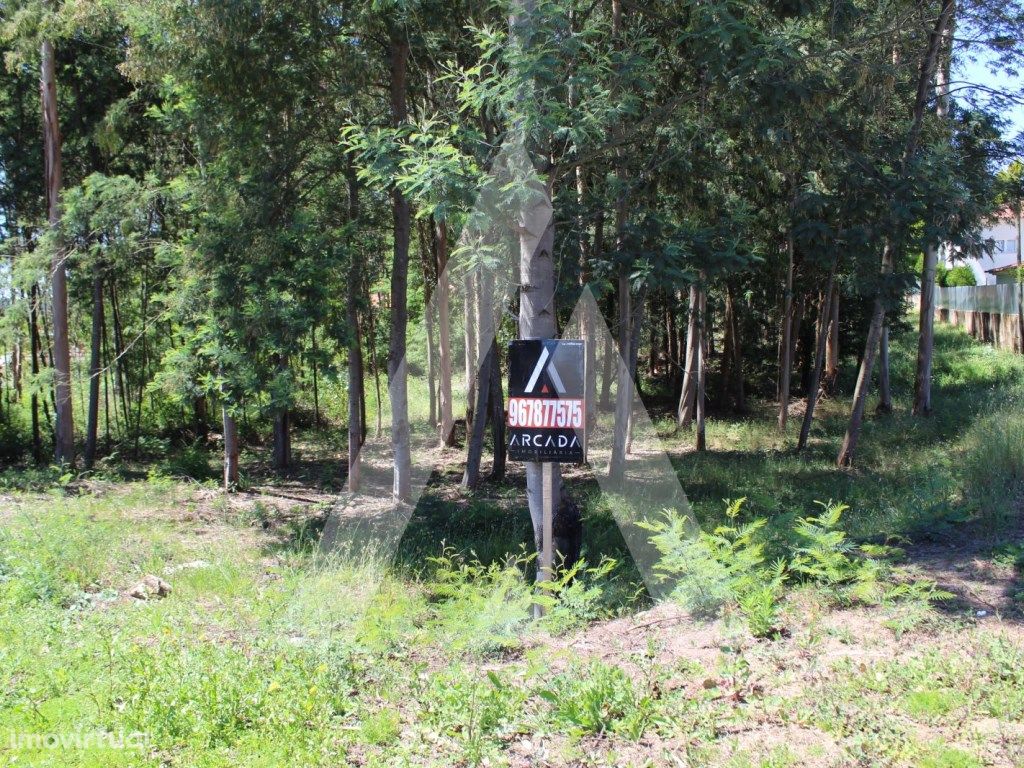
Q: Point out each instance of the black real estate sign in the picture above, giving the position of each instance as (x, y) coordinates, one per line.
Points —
(546, 409)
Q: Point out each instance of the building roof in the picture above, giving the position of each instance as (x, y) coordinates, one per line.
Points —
(1002, 216)
(1001, 270)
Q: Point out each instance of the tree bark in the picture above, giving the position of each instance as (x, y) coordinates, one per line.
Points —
(860, 393)
(636, 321)
(733, 381)
(95, 370)
(702, 367)
(831, 378)
(884, 391)
(608, 369)
(624, 391)
(428, 264)
(482, 387)
(398, 383)
(356, 416)
(926, 324)
(33, 331)
(688, 397)
(929, 62)
(444, 332)
(588, 331)
(824, 321)
(65, 429)
(230, 449)
(316, 383)
(786, 348)
(119, 358)
(282, 439)
(471, 345)
(537, 321)
(497, 403)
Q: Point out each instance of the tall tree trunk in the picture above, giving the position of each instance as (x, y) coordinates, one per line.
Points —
(428, 318)
(107, 386)
(230, 448)
(95, 371)
(673, 340)
(65, 429)
(398, 382)
(356, 416)
(929, 61)
(537, 321)
(371, 326)
(428, 264)
(482, 388)
(733, 381)
(884, 391)
(786, 348)
(316, 383)
(688, 397)
(282, 439)
(33, 332)
(444, 334)
(926, 336)
(588, 331)
(497, 403)
(702, 368)
(824, 321)
(608, 372)
(636, 321)
(119, 354)
(471, 345)
(624, 392)
(860, 393)
(831, 378)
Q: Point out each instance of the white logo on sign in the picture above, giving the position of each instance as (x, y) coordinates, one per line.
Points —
(556, 380)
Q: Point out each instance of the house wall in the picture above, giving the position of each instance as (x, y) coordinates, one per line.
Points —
(1004, 231)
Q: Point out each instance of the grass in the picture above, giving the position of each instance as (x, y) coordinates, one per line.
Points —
(268, 652)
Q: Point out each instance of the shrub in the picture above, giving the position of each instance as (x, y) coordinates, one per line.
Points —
(958, 276)
(191, 462)
(724, 566)
(14, 440)
(727, 566)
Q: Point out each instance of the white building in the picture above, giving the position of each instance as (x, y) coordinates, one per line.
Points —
(1003, 232)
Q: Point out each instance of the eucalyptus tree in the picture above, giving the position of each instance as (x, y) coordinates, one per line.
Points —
(250, 84)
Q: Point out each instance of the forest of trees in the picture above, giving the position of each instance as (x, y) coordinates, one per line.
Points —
(219, 210)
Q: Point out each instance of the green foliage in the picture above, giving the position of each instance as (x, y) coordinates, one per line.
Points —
(599, 698)
(55, 560)
(727, 566)
(494, 599)
(472, 709)
(959, 276)
(723, 566)
(14, 440)
(209, 695)
(992, 467)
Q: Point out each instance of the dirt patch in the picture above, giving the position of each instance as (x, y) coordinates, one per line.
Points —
(964, 566)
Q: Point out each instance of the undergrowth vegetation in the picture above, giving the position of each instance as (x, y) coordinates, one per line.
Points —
(794, 617)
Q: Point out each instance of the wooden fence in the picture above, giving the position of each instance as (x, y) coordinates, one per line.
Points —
(989, 313)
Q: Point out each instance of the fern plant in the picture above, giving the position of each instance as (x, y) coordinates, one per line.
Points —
(724, 566)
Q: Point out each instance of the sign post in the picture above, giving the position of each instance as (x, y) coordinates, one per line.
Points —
(547, 419)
